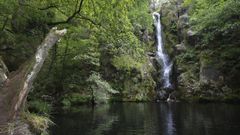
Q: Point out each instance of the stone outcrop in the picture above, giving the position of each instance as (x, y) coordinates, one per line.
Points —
(200, 72)
(134, 83)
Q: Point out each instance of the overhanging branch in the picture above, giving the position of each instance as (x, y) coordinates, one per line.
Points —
(70, 18)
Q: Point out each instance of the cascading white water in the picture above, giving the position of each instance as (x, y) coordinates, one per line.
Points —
(161, 55)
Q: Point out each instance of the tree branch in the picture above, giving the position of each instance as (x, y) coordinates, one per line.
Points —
(70, 18)
(89, 19)
(15, 90)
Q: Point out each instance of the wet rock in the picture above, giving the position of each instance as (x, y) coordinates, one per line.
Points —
(162, 95)
(192, 38)
(173, 96)
(226, 89)
(183, 21)
(209, 73)
(151, 54)
(180, 48)
(145, 35)
(191, 33)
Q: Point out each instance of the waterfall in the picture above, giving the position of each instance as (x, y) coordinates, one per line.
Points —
(161, 55)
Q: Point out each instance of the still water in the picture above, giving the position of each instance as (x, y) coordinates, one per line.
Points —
(150, 119)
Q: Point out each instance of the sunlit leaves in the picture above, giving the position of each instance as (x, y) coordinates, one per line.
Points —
(216, 18)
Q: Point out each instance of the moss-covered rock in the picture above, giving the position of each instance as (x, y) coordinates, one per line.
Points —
(204, 72)
(141, 86)
(130, 76)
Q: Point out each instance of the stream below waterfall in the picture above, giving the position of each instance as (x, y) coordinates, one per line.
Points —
(149, 119)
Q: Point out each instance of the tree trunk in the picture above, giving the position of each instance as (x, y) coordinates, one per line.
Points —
(15, 90)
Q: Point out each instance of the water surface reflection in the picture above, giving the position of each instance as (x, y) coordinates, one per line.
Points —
(150, 119)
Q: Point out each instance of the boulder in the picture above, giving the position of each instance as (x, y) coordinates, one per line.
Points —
(162, 95)
(183, 21)
(191, 37)
(209, 71)
(209, 74)
(180, 48)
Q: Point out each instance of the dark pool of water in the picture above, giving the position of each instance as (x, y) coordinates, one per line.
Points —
(150, 119)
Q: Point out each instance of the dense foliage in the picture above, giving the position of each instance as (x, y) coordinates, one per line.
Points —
(108, 51)
(105, 37)
(100, 33)
(215, 19)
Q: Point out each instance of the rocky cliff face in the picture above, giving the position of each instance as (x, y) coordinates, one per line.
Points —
(202, 72)
(134, 83)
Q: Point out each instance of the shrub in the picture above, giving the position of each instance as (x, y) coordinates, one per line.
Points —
(39, 106)
(126, 62)
(100, 88)
(38, 124)
(75, 99)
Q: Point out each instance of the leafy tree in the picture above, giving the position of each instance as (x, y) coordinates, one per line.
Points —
(107, 26)
(216, 19)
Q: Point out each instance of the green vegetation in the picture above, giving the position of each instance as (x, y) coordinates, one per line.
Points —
(105, 39)
(38, 124)
(215, 19)
(103, 56)
(216, 27)
(101, 34)
(126, 63)
(40, 107)
(204, 34)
